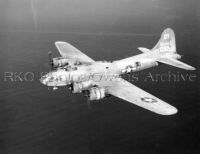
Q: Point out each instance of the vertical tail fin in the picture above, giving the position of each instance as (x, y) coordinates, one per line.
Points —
(167, 42)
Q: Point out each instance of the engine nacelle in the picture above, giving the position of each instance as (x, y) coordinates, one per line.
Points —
(96, 93)
(79, 87)
(60, 62)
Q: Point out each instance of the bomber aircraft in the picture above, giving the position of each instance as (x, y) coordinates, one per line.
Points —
(100, 79)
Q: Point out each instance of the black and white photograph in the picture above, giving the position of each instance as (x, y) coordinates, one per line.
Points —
(99, 76)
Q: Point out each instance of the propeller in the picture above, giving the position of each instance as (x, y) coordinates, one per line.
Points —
(70, 87)
(50, 59)
(86, 94)
(89, 103)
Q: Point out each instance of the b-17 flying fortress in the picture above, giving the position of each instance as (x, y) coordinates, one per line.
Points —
(100, 79)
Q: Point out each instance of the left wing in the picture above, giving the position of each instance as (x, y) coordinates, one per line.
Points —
(69, 51)
(129, 92)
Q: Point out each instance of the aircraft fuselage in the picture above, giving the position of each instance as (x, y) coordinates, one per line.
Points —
(81, 73)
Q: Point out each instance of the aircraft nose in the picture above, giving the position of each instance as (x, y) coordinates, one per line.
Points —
(43, 81)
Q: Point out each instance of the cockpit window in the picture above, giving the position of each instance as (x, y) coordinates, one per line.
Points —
(51, 78)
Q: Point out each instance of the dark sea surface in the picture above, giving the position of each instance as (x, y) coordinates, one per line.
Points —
(34, 119)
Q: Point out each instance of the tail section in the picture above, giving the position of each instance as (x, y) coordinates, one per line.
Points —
(167, 42)
(165, 50)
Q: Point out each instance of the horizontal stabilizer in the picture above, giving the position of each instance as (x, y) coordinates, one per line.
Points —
(143, 49)
(175, 63)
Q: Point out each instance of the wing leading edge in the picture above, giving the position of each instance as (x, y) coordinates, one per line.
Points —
(129, 92)
(67, 50)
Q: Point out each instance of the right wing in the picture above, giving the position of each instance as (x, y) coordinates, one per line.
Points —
(175, 63)
(129, 92)
(67, 50)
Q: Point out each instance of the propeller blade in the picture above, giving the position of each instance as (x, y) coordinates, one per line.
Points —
(50, 59)
(89, 103)
(86, 94)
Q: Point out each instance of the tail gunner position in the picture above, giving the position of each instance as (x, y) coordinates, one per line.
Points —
(99, 79)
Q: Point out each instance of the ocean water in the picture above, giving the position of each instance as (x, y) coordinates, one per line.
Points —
(34, 119)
